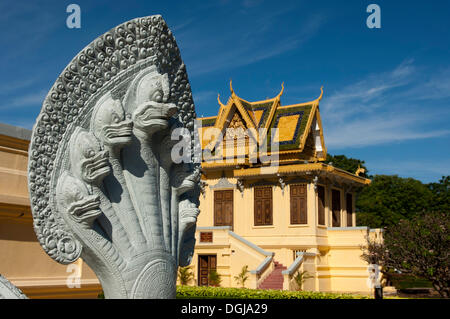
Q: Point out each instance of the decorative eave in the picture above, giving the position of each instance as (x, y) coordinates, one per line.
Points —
(295, 169)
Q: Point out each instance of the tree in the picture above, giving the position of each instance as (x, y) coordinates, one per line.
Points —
(347, 164)
(390, 198)
(420, 247)
(242, 277)
(440, 195)
(185, 275)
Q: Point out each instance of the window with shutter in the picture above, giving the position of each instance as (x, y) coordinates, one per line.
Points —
(298, 204)
(336, 208)
(349, 201)
(321, 204)
(263, 206)
(223, 208)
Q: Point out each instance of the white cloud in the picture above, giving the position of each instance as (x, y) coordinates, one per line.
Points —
(33, 99)
(381, 108)
(394, 127)
(237, 50)
(9, 87)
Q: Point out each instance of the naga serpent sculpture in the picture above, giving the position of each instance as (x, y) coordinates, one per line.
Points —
(103, 184)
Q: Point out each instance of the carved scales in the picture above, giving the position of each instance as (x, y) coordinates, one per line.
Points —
(102, 183)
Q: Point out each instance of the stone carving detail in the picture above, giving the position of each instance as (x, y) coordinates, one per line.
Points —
(282, 183)
(315, 182)
(102, 181)
(223, 183)
(240, 186)
(9, 291)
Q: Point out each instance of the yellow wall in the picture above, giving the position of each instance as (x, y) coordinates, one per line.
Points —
(336, 265)
(22, 260)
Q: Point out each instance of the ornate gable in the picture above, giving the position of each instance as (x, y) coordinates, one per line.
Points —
(300, 133)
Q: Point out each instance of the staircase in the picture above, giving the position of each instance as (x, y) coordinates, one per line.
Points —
(275, 279)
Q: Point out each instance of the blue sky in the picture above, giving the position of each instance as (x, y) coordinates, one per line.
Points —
(387, 91)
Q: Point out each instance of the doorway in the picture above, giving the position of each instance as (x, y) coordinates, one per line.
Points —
(206, 263)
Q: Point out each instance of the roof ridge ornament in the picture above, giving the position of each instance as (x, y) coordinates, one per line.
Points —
(282, 90)
(231, 88)
(218, 100)
(360, 170)
(321, 94)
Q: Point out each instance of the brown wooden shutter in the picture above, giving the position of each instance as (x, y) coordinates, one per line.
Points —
(321, 206)
(263, 206)
(336, 207)
(299, 211)
(223, 208)
(349, 202)
(206, 237)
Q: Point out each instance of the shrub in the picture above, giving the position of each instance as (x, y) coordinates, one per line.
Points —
(192, 292)
(185, 275)
(242, 277)
(300, 278)
(214, 278)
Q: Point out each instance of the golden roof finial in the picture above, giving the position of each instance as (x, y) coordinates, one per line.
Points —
(359, 170)
(321, 93)
(231, 87)
(282, 90)
(218, 100)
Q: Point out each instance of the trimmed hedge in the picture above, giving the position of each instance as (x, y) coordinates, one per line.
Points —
(193, 292)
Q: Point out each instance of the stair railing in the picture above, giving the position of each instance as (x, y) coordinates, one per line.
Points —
(264, 268)
(262, 271)
(288, 274)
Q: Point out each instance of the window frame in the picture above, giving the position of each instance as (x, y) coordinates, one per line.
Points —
(324, 206)
(347, 205)
(305, 198)
(263, 215)
(333, 190)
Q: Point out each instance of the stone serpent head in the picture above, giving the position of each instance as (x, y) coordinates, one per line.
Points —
(147, 99)
(109, 123)
(73, 197)
(89, 163)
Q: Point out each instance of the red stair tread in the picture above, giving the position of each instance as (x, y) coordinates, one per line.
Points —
(275, 279)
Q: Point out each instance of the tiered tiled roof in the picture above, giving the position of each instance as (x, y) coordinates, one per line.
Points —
(299, 125)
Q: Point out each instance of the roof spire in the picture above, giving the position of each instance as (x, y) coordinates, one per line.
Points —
(231, 87)
(360, 170)
(282, 90)
(218, 100)
(321, 93)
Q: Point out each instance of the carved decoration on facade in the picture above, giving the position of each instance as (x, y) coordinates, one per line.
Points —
(203, 185)
(223, 183)
(315, 181)
(240, 186)
(282, 183)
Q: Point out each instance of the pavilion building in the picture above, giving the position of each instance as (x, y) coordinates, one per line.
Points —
(271, 203)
